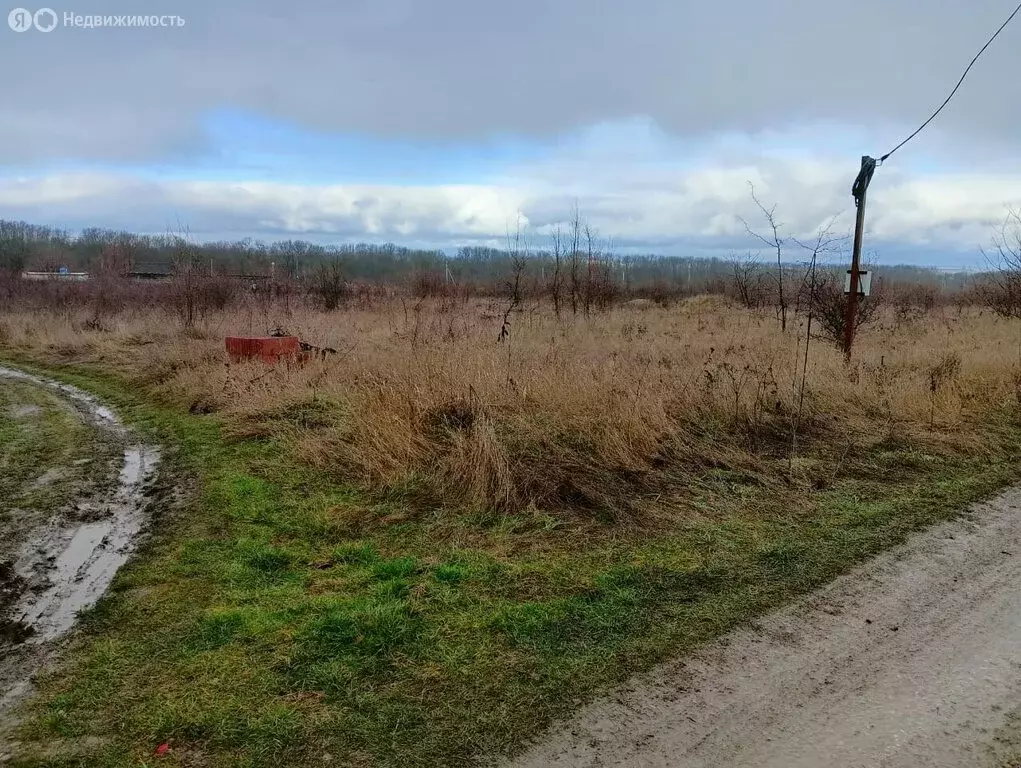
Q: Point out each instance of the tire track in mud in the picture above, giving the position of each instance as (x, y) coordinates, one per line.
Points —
(65, 564)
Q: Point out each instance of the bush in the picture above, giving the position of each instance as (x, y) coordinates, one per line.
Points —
(829, 306)
(328, 288)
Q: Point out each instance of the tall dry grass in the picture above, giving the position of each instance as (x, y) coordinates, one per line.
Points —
(423, 402)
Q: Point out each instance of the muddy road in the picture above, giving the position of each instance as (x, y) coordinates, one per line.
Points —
(73, 500)
(913, 659)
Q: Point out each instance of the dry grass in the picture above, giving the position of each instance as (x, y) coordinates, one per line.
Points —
(605, 415)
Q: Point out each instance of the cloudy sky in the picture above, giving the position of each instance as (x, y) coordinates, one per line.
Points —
(444, 122)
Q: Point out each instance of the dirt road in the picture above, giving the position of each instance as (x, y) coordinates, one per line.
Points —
(912, 660)
(73, 504)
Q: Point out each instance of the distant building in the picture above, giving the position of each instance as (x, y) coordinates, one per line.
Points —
(151, 271)
(64, 274)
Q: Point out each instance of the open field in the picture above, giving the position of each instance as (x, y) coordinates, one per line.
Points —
(585, 418)
(423, 548)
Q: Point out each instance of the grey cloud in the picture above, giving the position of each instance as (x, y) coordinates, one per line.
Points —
(465, 68)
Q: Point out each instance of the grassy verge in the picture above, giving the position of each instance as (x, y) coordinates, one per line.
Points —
(42, 449)
(278, 618)
(48, 455)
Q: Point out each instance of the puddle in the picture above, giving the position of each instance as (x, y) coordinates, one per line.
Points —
(79, 560)
(67, 564)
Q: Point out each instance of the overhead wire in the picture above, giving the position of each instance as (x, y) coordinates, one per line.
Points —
(956, 87)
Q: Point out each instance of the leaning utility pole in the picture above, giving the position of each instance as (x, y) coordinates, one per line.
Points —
(861, 185)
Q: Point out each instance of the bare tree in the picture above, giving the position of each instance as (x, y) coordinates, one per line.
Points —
(575, 259)
(826, 242)
(328, 286)
(808, 295)
(590, 249)
(519, 263)
(185, 278)
(747, 281)
(774, 242)
(557, 282)
(1001, 290)
(108, 282)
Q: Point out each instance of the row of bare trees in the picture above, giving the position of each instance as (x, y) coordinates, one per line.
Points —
(577, 273)
(581, 268)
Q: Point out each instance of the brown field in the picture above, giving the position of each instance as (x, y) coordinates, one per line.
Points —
(611, 414)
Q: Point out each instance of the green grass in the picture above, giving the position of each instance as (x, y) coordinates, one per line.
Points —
(281, 619)
(36, 434)
(46, 454)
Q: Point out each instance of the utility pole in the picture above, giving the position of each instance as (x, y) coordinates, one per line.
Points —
(861, 185)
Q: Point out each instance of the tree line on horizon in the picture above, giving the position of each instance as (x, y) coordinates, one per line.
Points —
(25, 246)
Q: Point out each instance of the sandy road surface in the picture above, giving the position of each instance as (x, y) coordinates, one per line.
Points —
(913, 659)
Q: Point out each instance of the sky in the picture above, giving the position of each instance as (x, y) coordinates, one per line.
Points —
(441, 123)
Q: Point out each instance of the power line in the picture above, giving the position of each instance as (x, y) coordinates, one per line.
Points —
(956, 87)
